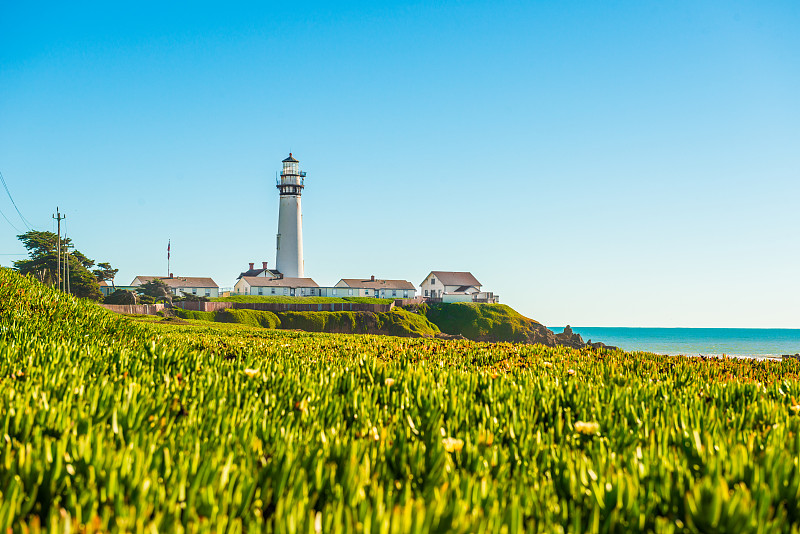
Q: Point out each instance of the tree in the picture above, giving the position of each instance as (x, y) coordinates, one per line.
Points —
(43, 263)
(105, 272)
(157, 289)
(191, 297)
(121, 296)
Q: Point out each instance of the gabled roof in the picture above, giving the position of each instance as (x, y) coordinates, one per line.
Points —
(455, 278)
(262, 281)
(369, 283)
(463, 289)
(257, 272)
(180, 281)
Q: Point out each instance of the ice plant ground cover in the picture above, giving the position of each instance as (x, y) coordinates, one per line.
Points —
(120, 425)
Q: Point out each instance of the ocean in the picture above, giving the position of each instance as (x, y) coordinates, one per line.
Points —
(740, 342)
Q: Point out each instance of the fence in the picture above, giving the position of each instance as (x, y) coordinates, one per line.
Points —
(408, 302)
(134, 309)
(195, 305)
(285, 306)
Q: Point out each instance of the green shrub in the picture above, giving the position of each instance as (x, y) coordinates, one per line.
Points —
(368, 300)
(257, 318)
(120, 296)
(196, 315)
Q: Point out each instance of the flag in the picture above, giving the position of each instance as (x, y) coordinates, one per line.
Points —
(169, 244)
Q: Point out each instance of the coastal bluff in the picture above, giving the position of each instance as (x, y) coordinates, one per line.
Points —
(500, 323)
(492, 323)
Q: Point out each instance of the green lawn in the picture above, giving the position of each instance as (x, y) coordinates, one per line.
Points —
(300, 300)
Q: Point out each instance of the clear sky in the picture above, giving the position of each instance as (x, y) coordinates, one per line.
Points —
(627, 163)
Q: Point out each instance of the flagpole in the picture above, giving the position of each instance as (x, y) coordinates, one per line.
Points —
(169, 245)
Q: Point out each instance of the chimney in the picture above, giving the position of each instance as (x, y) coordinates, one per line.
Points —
(264, 265)
(372, 278)
(251, 265)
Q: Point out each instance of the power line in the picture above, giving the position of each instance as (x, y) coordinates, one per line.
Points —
(24, 220)
(9, 222)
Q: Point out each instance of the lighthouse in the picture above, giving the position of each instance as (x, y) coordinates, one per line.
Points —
(289, 255)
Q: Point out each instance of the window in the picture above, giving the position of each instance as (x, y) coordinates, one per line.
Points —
(433, 281)
(349, 291)
(334, 292)
(273, 290)
(194, 291)
(394, 292)
(405, 293)
(208, 292)
(285, 290)
(426, 292)
(260, 291)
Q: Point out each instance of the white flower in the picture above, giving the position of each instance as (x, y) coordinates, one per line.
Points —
(453, 444)
(587, 428)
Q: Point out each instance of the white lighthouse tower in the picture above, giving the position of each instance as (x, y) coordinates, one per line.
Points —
(289, 256)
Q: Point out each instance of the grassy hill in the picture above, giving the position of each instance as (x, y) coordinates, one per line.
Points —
(397, 322)
(115, 424)
(488, 322)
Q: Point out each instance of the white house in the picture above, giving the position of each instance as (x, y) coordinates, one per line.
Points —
(192, 285)
(290, 287)
(263, 271)
(371, 287)
(455, 286)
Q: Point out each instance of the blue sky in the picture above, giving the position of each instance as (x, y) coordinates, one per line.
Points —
(621, 163)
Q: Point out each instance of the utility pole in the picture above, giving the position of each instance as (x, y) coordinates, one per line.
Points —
(59, 218)
(66, 267)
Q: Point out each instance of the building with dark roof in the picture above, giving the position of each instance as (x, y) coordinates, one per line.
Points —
(263, 271)
(455, 286)
(279, 286)
(192, 285)
(371, 287)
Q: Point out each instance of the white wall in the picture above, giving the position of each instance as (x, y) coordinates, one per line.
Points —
(438, 287)
(456, 298)
(210, 292)
(244, 288)
(289, 242)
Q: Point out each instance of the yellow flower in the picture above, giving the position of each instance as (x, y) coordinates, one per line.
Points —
(547, 364)
(251, 372)
(587, 428)
(453, 444)
(795, 406)
(389, 382)
(570, 372)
